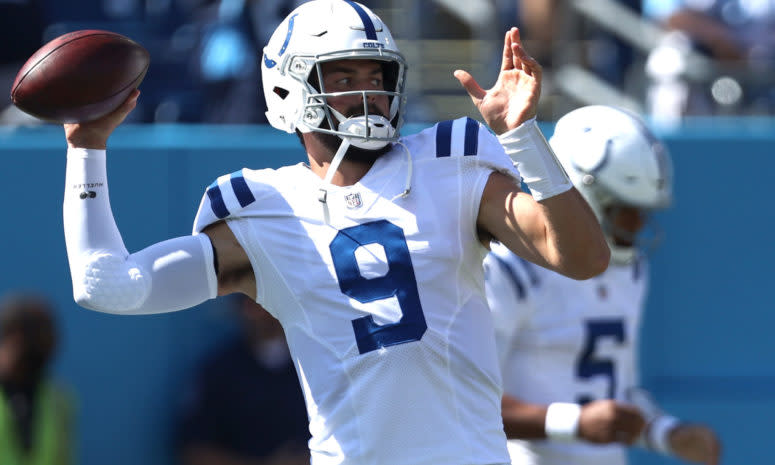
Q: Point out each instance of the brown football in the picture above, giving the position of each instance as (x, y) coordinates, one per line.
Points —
(80, 76)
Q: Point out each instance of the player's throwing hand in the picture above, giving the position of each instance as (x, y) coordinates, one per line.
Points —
(514, 97)
(94, 134)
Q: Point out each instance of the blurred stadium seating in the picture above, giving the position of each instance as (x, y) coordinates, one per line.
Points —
(205, 55)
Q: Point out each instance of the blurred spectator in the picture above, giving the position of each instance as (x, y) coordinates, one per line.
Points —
(728, 30)
(35, 414)
(740, 36)
(539, 21)
(20, 43)
(25, 39)
(204, 53)
(232, 35)
(545, 26)
(572, 40)
(608, 55)
(247, 407)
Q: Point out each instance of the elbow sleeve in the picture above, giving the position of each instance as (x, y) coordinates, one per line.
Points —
(171, 275)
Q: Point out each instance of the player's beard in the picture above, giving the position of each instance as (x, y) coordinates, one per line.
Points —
(356, 154)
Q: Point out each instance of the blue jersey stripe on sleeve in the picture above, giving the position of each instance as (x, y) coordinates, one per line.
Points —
(636, 268)
(216, 201)
(512, 273)
(531, 272)
(241, 189)
(472, 137)
(444, 139)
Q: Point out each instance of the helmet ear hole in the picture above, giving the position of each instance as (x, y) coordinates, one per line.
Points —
(281, 92)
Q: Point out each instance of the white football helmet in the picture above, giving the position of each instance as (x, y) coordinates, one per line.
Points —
(612, 158)
(326, 30)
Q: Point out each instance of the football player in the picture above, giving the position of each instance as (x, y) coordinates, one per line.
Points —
(568, 348)
(370, 255)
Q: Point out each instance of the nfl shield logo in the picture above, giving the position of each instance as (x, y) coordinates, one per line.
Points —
(353, 200)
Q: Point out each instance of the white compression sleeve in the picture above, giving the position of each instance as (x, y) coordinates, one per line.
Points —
(535, 160)
(168, 276)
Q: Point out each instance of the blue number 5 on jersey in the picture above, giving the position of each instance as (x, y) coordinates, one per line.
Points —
(590, 364)
(399, 281)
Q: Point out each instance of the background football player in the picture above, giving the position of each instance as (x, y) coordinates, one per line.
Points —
(567, 347)
(370, 254)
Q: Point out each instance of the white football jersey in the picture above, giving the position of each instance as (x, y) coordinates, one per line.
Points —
(562, 340)
(384, 308)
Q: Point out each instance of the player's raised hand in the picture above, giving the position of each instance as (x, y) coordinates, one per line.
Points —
(514, 97)
(94, 134)
(607, 421)
(695, 443)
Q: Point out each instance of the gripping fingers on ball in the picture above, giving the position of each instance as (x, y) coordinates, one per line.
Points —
(130, 103)
(119, 114)
(95, 134)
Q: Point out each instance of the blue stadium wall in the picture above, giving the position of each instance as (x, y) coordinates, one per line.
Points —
(707, 336)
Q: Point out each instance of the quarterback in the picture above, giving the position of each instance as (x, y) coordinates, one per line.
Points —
(568, 348)
(370, 253)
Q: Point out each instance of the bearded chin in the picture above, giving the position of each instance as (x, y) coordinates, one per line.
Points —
(356, 154)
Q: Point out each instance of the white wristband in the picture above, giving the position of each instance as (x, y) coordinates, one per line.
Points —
(658, 436)
(562, 421)
(535, 160)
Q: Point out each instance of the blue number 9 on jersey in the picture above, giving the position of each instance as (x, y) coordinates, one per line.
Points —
(399, 281)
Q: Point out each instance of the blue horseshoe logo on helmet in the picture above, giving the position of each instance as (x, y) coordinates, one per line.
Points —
(268, 61)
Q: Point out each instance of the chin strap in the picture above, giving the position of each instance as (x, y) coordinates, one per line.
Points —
(323, 192)
(370, 132)
(337, 160)
(408, 182)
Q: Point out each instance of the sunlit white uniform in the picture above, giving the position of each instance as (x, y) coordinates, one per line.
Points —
(562, 340)
(384, 308)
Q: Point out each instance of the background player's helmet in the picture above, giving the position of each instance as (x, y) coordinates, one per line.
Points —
(613, 159)
(326, 30)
